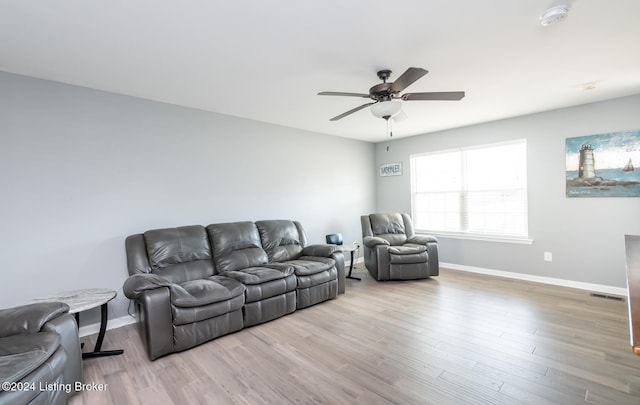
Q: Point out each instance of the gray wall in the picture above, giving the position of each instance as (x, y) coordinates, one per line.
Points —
(585, 236)
(82, 169)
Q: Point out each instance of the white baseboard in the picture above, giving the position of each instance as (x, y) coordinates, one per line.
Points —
(112, 324)
(539, 279)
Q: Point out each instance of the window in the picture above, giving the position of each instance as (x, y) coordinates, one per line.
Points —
(477, 192)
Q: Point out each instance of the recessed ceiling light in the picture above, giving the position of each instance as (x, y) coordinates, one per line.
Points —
(554, 15)
(588, 86)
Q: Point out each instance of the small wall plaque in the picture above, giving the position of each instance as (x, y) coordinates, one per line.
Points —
(391, 169)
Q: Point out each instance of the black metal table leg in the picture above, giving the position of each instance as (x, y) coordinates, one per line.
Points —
(77, 315)
(351, 269)
(97, 352)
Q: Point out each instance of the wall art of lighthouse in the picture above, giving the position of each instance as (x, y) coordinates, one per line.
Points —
(602, 165)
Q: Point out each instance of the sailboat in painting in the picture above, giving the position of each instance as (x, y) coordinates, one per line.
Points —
(628, 167)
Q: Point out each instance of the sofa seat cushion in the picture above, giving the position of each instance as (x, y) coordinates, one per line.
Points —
(258, 275)
(21, 354)
(196, 293)
(306, 266)
(323, 277)
(265, 282)
(191, 315)
(407, 254)
(281, 286)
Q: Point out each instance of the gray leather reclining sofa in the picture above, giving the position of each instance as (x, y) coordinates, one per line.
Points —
(192, 284)
(40, 358)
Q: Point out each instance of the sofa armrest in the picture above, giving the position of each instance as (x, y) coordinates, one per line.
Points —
(382, 261)
(65, 326)
(372, 241)
(323, 250)
(432, 251)
(152, 296)
(338, 256)
(135, 285)
(332, 252)
(421, 239)
(155, 321)
(29, 318)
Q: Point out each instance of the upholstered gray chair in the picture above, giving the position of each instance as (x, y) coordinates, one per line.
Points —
(40, 359)
(392, 250)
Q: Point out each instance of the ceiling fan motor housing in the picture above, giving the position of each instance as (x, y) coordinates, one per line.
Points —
(384, 74)
(381, 91)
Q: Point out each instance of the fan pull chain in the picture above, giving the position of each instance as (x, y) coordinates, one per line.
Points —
(389, 128)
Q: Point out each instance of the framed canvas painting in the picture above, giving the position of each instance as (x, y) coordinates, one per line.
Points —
(603, 165)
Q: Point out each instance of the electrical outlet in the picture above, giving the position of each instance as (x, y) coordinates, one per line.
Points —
(548, 256)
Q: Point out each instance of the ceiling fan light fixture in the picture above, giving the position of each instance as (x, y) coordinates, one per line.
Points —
(554, 15)
(384, 97)
(386, 109)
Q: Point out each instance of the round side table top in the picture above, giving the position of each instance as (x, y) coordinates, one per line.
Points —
(348, 247)
(81, 300)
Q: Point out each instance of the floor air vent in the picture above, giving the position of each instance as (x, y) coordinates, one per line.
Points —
(608, 297)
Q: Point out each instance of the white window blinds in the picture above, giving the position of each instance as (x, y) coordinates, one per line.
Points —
(477, 191)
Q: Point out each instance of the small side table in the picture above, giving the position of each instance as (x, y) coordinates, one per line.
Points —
(83, 300)
(351, 248)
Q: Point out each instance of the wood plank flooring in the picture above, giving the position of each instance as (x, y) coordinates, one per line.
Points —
(459, 338)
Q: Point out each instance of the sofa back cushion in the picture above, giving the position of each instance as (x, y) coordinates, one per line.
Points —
(236, 246)
(390, 227)
(179, 254)
(282, 240)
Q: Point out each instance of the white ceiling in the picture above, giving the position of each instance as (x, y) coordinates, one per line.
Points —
(267, 60)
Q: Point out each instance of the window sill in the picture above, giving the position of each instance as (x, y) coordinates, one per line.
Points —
(486, 238)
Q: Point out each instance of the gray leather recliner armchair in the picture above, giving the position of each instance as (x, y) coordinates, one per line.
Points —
(392, 250)
(40, 358)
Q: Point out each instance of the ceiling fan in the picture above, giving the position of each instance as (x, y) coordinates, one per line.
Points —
(385, 95)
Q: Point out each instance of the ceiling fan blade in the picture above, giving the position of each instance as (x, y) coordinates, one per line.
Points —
(443, 95)
(339, 93)
(337, 117)
(407, 78)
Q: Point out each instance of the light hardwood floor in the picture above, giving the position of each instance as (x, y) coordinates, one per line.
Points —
(454, 339)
